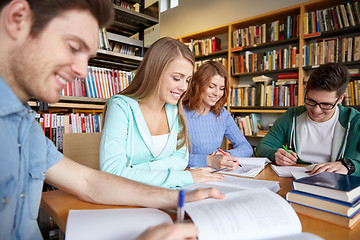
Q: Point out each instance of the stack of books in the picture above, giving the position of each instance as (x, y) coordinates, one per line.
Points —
(328, 196)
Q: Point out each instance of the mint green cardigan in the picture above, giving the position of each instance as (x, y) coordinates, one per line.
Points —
(287, 130)
(126, 147)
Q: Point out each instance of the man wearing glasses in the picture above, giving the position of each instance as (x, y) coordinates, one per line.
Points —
(322, 131)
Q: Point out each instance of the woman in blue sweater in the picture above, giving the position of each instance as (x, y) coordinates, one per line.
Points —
(208, 121)
(145, 136)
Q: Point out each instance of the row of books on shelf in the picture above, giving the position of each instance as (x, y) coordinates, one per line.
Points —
(262, 61)
(331, 50)
(114, 46)
(283, 92)
(328, 196)
(263, 95)
(56, 125)
(204, 46)
(100, 83)
(340, 16)
(221, 60)
(352, 96)
(251, 125)
(266, 32)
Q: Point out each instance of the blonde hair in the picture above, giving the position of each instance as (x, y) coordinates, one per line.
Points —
(147, 78)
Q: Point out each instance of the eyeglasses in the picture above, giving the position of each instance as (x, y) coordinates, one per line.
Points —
(324, 106)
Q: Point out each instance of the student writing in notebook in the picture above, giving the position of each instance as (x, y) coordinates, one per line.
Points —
(209, 122)
(44, 45)
(144, 136)
(322, 131)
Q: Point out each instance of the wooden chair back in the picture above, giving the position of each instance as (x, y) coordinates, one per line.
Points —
(82, 148)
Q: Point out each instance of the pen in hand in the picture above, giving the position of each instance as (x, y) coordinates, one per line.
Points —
(226, 154)
(180, 207)
(287, 150)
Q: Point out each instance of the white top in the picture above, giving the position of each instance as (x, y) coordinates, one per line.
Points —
(159, 143)
(317, 139)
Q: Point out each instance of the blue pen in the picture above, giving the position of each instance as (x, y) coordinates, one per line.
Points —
(180, 208)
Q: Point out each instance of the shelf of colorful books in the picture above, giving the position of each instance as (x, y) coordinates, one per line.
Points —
(258, 109)
(265, 45)
(211, 43)
(267, 28)
(264, 72)
(330, 18)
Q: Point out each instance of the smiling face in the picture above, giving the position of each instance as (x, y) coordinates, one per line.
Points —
(44, 64)
(175, 80)
(214, 92)
(321, 96)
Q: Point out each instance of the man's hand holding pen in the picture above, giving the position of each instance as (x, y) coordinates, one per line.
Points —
(285, 157)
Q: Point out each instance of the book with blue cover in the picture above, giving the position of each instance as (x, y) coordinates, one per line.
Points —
(324, 204)
(341, 187)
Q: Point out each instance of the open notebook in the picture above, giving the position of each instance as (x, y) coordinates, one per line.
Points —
(250, 167)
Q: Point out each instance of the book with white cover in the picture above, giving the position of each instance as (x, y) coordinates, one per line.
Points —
(250, 167)
(248, 214)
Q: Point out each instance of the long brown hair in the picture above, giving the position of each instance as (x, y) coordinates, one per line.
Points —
(200, 82)
(147, 78)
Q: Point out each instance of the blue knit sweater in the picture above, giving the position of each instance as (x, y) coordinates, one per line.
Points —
(206, 133)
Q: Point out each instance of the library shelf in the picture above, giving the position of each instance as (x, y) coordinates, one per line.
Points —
(266, 45)
(333, 33)
(258, 109)
(299, 41)
(264, 72)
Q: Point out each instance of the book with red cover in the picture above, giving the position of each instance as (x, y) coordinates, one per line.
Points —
(287, 75)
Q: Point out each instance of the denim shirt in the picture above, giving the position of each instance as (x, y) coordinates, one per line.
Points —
(25, 155)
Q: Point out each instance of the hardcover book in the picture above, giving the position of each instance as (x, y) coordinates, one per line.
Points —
(332, 185)
(325, 204)
(325, 216)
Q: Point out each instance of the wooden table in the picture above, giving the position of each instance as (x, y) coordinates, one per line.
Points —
(58, 203)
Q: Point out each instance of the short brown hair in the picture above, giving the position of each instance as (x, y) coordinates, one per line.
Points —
(44, 11)
(201, 81)
(329, 77)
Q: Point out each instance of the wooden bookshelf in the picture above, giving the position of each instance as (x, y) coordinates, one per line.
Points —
(298, 41)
